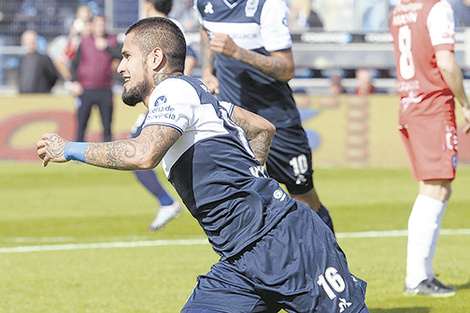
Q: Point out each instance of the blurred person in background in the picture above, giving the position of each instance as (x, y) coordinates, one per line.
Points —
(364, 82)
(246, 56)
(81, 27)
(92, 70)
(8, 10)
(36, 73)
(336, 87)
(429, 80)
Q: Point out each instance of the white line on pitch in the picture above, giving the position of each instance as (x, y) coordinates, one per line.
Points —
(173, 242)
(102, 245)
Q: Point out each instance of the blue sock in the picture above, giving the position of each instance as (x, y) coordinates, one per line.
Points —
(150, 181)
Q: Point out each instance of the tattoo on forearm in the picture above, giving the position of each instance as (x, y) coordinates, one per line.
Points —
(129, 154)
(273, 67)
(261, 145)
(260, 140)
(206, 55)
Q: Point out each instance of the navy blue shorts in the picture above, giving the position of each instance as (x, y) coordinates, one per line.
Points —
(298, 266)
(290, 160)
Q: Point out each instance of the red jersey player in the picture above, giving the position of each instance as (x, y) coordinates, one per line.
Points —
(428, 80)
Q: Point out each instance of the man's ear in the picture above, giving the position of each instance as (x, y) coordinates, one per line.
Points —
(156, 58)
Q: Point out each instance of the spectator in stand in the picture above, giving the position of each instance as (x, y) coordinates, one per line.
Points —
(37, 73)
(7, 16)
(92, 76)
(302, 16)
(336, 86)
(364, 82)
(80, 28)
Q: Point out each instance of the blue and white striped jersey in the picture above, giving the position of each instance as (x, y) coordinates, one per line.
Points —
(213, 168)
(261, 26)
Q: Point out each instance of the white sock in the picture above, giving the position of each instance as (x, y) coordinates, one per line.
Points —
(424, 225)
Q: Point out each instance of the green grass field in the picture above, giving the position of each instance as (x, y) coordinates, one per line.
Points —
(73, 238)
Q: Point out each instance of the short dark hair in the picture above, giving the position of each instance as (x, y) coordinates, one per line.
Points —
(163, 6)
(160, 32)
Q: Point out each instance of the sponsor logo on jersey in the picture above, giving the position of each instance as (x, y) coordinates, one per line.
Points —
(405, 102)
(162, 112)
(279, 194)
(343, 304)
(447, 35)
(160, 100)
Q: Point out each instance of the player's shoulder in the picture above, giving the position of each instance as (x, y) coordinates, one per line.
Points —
(185, 89)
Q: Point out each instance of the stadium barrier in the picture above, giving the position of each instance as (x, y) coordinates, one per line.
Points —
(343, 131)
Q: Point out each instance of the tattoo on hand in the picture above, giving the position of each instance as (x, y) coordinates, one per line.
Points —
(56, 147)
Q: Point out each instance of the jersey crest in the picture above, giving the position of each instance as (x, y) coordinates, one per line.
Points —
(251, 7)
(209, 8)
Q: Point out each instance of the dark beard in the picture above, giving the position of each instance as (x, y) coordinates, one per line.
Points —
(135, 95)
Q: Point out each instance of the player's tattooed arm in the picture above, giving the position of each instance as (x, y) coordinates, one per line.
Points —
(140, 153)
(51, 148)
(259, 131)
(207, 57)
(143, 152)
(207, 63)
(278, 64)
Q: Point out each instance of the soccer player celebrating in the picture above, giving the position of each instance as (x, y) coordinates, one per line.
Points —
(428, 80)
(275, 252)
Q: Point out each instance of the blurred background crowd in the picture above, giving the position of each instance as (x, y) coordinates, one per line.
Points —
(322, 32)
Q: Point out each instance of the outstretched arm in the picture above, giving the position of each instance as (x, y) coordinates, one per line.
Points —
(259, 131)
(143, 152)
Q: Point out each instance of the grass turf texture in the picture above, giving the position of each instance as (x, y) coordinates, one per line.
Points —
(78, 204)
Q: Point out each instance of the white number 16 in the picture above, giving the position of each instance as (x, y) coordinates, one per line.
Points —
(331, 282)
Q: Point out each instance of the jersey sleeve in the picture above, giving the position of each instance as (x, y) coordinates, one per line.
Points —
(170, 105)
(441, 26)
(274, 26)
(227, 106)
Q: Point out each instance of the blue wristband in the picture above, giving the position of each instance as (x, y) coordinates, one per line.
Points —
(76, 151)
